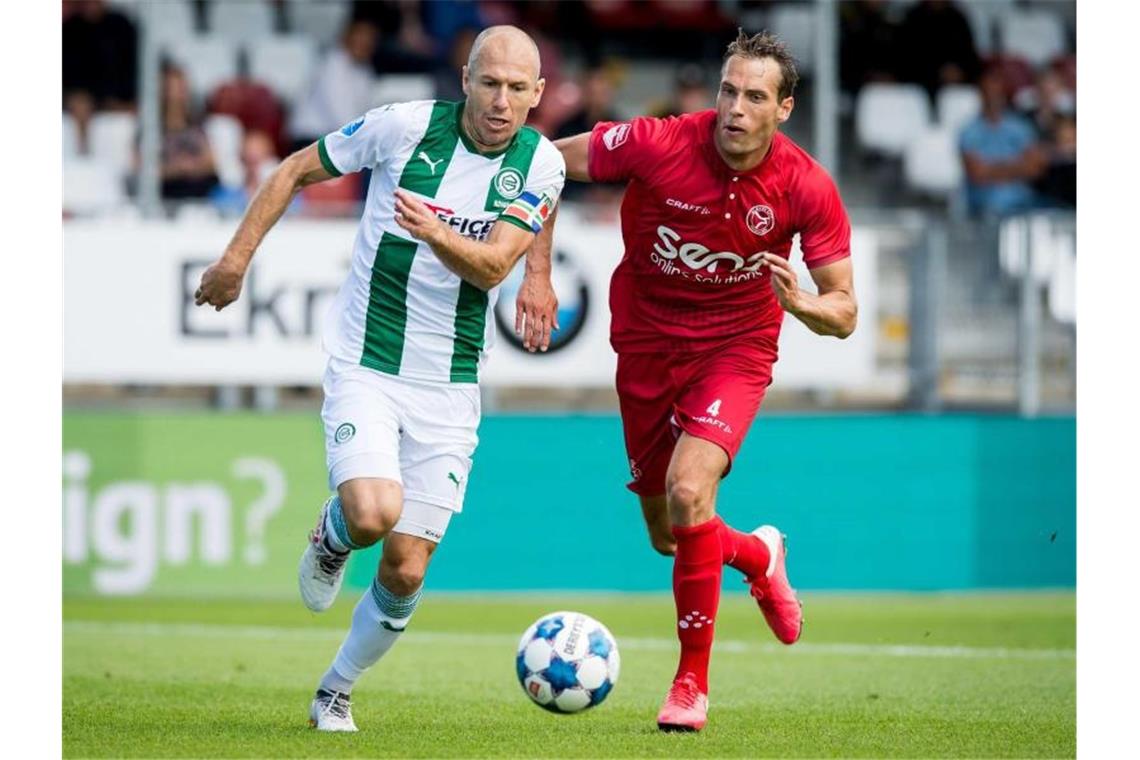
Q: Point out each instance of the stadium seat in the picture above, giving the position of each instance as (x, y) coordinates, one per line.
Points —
(1038, 36)
(889, 116)
(90, 187)
(323, 21)
(983, 18)
(169, 21)
(931, 163)
(957, 106)
(207, 60)
(284, 62)
(1063, 283)
(111, 140)
(396, 88)
(795, 25)
(70, 136)
(225, 135)
(241, 22)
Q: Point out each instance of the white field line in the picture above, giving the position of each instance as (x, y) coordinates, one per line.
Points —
(202, 630)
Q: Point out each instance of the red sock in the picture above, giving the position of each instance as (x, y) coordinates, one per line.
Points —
(743, 551)
(696, 590)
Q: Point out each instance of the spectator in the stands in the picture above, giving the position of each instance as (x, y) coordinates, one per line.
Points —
(258, 160)
(868, 44)
(1046, 103)
(596, 104)
(448, 75)
(341, 89)
(1058, 184)
(403, 45)
(99, 61)
(937, 46)
(1001, 154)
(691, 93)
(187, 167)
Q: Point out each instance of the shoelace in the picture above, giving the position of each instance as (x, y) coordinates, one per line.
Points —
(338, 705)
(330, 563)
(685, 692)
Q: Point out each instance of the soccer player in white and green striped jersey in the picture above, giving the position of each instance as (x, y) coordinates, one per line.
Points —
(410, 328)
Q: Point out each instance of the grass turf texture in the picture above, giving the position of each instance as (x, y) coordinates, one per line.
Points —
(874, 676)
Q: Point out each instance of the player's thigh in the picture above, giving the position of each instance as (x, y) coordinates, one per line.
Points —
(720, 401)
(404, 561)
(655, 511)
(646, 393)
(440, 436)
(362, 426)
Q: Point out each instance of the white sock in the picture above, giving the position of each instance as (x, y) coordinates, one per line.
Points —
(377, 622)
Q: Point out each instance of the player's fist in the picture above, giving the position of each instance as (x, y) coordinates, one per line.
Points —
(220, 285)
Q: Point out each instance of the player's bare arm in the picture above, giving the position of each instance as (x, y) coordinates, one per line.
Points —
(576, 154)
(536, 305)
(221, 282)
(483, 264)
(833, 311)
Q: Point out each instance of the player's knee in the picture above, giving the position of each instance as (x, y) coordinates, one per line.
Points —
(689, 498)
(371, 511)
(404, 576)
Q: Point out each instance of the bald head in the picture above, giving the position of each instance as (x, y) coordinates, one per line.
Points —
(504, 43)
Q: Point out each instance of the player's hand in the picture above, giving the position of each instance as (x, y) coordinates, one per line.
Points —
(784, 281)
(220, 285)
(536, 312)
(415, 217)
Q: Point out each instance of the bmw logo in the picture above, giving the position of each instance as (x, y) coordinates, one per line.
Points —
(573, 302)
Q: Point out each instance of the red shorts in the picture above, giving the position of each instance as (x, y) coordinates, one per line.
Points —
(709, 394)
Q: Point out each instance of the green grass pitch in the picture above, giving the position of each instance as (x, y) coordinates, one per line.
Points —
(988, 675)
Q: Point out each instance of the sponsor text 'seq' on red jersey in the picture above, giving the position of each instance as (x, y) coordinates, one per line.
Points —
(694, 228)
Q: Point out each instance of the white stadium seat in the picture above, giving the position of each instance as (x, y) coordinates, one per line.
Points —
(111, 139)
(284, 62)
(70, 136)
(207, 60)
(323, 20)
(1038, 36)
(957, 106)
(1063, 283)
(397, 88)
(225, 135)
(931, 163)
(889, 116)
(795, 25)
(983, 18)
(240, 20)
(90, 187)
(169, 21)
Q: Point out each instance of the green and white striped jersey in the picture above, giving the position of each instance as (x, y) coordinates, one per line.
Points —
(401, 311)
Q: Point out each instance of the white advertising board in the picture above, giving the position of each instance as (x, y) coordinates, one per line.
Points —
(129, 315)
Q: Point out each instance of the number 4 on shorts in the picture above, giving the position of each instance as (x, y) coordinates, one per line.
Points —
(714, 408)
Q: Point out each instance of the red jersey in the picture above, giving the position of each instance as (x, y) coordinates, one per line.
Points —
(693, 230)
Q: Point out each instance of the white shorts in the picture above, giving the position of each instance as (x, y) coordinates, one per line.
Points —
(420, 435)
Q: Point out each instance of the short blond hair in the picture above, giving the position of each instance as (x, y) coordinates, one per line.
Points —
(766, 45)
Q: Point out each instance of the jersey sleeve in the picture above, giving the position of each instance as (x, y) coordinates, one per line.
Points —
(541, 191)
(624, 150)
(825, 232)
(367, 142)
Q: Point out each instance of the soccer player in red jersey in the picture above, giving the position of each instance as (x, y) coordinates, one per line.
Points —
(712, 202)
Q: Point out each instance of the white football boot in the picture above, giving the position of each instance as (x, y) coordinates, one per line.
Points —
(331, 711)
(321, 571)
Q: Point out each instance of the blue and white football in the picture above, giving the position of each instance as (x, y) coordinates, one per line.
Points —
(567, 662)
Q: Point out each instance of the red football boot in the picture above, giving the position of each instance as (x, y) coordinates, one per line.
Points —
(774, 595)
(686, 707)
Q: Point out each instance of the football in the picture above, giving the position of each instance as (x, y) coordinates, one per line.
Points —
(567, 662)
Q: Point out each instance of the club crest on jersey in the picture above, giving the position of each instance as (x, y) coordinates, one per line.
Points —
(509, 183)
(344, 433)
(616, 136)
(761, 219)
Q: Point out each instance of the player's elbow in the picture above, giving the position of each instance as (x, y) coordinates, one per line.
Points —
(847, 326)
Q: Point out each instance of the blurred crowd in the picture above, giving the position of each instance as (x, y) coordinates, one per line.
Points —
(289, 71)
